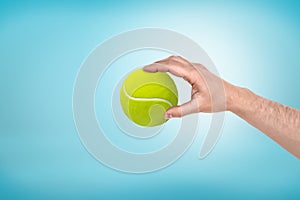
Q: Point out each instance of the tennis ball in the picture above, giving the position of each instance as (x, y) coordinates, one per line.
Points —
(145, 97)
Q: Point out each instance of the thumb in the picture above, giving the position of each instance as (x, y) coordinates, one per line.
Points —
(182, 110)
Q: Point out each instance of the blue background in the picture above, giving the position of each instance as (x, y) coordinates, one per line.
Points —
(254, 44)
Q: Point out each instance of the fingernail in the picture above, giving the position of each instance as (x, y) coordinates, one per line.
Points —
(145, 67)
(168, 116)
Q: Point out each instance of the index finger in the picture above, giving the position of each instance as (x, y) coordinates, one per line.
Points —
(174, 67)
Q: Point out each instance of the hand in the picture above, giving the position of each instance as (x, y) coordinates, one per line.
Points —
(208, 93)
(212, 94)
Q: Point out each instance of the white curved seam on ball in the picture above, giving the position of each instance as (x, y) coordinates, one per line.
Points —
(146, 99)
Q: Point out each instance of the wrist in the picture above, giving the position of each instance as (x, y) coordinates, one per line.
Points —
(236, 97)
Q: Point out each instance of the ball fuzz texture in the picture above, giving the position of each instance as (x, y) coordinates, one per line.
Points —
(145, 97)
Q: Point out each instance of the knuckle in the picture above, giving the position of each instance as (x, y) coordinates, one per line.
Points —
(172, 57)
(179, 57)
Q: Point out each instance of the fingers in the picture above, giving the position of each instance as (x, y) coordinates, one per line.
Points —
(171, 67)
(175, 65)
(180, 67)
(182, 110)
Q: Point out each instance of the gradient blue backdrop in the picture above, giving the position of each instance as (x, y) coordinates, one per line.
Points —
(254, 44)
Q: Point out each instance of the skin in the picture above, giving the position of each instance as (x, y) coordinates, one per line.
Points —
(279, 122)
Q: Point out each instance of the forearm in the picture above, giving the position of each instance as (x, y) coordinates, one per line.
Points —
(279, 122)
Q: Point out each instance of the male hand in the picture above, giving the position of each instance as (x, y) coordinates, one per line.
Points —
(208, 93)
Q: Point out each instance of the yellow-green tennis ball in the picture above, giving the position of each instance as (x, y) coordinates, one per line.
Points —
(145, 97)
